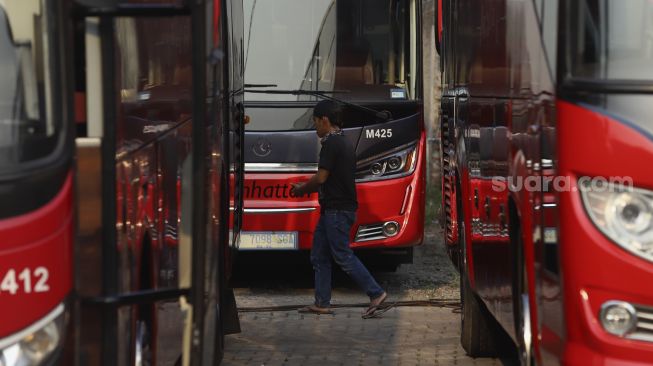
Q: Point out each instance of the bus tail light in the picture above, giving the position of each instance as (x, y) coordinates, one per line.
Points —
(37, 343)
(396, 164)
(624, 214)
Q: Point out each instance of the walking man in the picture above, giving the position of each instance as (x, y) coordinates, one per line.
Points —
(334, 182)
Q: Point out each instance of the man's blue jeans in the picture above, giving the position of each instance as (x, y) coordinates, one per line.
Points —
(332, 239)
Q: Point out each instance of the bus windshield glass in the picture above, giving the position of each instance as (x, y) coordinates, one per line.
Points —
(610, 40)
(29, 100)
(360, 50)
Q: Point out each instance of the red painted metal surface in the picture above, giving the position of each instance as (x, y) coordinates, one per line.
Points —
(595, 269)
(37, 247)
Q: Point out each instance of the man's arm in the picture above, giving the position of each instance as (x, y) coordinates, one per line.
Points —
(312, 185)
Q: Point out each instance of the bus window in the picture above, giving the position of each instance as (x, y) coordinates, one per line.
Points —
(30, 125)
(613, 45)
(611, 40)
(359, 49)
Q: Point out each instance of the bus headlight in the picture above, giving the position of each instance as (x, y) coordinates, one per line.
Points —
(395, 164)
(377, 169)
(624, 214)
(36, 343)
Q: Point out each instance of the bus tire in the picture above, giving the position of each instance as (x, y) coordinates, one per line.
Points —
(454, 255)
(477, 334)
(385, 267)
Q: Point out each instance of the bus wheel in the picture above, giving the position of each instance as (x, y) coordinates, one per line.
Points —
(386, 267)
(477, 335)
(523, 310)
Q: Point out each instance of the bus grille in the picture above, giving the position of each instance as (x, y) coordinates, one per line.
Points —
(370, 232)
(644, 330)
(489, 230)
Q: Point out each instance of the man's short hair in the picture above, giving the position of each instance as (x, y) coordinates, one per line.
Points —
(329, 109)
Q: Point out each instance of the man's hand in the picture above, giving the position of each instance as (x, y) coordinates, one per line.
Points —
(296, 189)
(312, 185)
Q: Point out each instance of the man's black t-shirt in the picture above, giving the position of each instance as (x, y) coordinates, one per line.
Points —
(339, 191)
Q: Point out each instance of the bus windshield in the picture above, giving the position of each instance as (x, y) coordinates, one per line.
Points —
(29, 127)
(361, 50)
(611, 40)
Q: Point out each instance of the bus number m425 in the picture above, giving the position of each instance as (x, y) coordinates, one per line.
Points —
(379, 133)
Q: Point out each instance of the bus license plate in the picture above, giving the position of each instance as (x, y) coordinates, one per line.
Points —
(266, 240)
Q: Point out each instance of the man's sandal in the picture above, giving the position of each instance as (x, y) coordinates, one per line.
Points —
(379, 310)
(374, 305)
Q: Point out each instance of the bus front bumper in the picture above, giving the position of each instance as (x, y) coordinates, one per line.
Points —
(598, 275)
(393, 203)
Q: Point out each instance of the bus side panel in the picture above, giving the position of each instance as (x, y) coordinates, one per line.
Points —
(492, 62)
(36, 271)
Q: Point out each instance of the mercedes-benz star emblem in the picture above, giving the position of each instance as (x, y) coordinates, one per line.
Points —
(262, 148)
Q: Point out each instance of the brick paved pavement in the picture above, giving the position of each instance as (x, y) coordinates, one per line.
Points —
(404, 336)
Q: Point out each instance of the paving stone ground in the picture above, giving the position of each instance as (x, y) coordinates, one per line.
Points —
(403, 336)
(424, 335)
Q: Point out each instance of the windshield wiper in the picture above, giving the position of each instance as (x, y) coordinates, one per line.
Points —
(260, 85)
(382, 115)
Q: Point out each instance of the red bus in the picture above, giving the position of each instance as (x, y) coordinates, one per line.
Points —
(367, 55)
(546, 128)
(162, 85)
(36, 182)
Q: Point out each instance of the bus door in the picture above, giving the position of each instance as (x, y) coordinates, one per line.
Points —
(153, 166)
